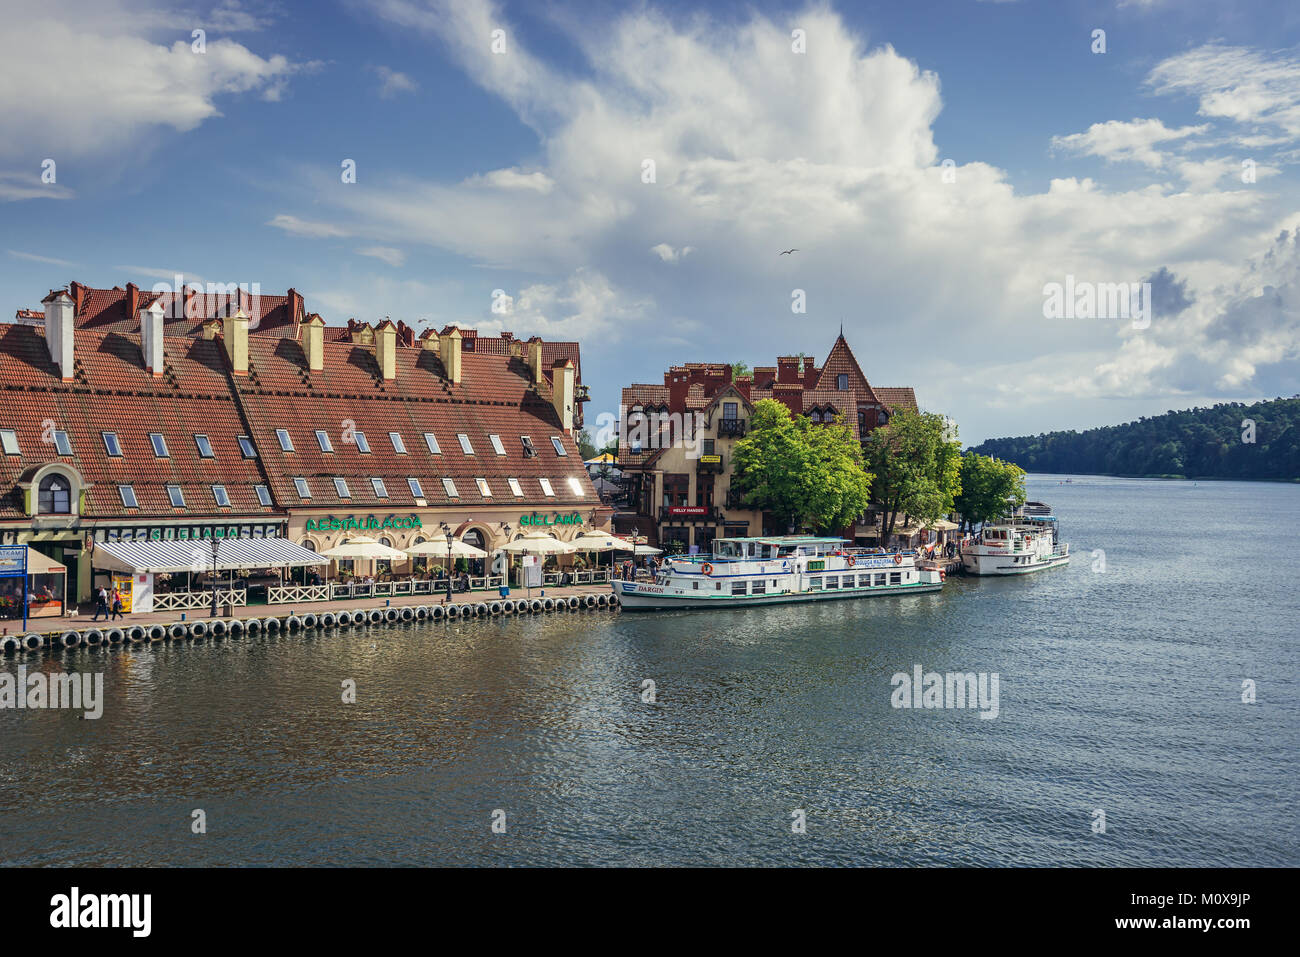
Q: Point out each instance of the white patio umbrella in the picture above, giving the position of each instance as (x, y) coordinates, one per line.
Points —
(538, 543)
(364, 547)
(435, 548)
(648, 550)
(594, 541)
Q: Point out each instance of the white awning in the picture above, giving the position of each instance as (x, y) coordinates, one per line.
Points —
(196, 555)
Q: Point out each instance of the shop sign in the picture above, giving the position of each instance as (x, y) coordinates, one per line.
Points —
(689, 510)
(556, 518)
(366, 523)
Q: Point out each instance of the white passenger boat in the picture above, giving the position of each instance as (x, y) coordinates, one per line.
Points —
(777, 570)
(1025, 543)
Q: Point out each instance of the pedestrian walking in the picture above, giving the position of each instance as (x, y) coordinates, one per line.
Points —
(117, 604)
(101, 603)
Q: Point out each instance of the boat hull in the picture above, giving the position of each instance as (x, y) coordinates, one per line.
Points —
(638, 596)
(1001, 565)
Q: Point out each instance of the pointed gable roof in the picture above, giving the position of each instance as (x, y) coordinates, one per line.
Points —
(842, 361)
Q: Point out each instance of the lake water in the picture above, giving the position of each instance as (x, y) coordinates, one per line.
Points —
(1120, 691)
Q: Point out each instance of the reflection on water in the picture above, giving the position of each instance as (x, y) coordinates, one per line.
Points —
(1119, 691)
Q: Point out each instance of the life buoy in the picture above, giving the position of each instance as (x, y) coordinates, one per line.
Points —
(851, 561)
(706, 568)
(898, 559)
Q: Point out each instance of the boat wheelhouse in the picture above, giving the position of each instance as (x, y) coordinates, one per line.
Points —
(774, 570)
(1026, 542)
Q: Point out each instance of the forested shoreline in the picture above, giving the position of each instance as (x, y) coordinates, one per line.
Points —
(1233, 440)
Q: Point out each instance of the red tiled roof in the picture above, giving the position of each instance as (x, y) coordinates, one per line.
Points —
(494, 397)
(109, 310)
(112, 392)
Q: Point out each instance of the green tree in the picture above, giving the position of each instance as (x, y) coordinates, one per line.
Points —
(586, 447)
(739, 368)
(805, 475)
(917, 467)
(989, 487)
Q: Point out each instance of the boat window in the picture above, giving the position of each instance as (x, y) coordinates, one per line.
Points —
(895, 578)
(814, 584)
(832, 581)
(758, 588)
(738, 588)
(880, 578)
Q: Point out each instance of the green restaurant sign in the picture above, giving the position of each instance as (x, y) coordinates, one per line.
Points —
(536, 518)
(362, 523)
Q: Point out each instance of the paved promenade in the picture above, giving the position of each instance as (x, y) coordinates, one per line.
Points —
(82, 621)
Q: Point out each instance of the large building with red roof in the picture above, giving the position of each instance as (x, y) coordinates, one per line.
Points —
(135, 415)
(680, 491)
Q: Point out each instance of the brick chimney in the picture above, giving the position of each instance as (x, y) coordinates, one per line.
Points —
(386, 349)
(313, 337)
(679, 384)
(151, 337)
(59, 309)
(563, 387)
(132, 299)
(787, 369)
(449, 352)
(535, 359)
(235, 336)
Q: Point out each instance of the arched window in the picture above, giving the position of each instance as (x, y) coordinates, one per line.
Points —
(862, 421)
(815, 417)
(474, 537)
(882, 417)
(55, 495)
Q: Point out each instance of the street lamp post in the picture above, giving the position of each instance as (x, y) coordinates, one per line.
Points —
(635, 534)
(215, 544)
(449, 541)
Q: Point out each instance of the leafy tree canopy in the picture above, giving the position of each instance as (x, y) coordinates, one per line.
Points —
(808, 476)
(988, 487)
(917, 466)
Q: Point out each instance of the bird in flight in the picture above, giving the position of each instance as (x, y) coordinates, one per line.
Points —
(788, 252)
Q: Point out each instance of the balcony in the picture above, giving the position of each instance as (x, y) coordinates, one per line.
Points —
(709, 463)
(731, 428)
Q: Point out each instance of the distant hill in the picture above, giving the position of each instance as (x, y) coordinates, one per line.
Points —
(1197, 443)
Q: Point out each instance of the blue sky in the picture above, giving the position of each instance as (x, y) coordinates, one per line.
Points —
(521, 171)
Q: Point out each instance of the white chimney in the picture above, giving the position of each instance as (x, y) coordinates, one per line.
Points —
(151, 337)
(59, 310)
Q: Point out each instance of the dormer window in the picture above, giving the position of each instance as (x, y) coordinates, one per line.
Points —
(54, 496)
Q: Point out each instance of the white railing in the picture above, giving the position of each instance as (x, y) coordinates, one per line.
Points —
(183, 600)
(281, 594)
